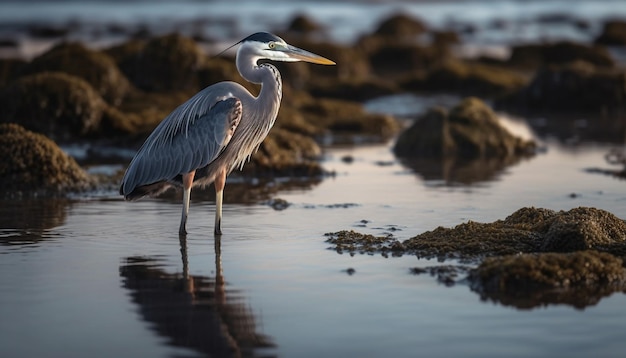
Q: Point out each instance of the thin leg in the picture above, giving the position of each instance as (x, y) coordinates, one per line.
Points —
(187, 183)
(220, 182)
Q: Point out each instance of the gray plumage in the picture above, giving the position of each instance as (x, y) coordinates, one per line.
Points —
(215, 131)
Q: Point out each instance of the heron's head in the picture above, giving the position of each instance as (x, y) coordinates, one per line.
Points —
(271, 47)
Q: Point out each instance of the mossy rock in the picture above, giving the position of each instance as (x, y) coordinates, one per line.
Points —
(97, 68)
(548, 270)
(61, 106)
(528, 230)
(166, 63)
(34, 165)
(613, 33)
(469, 130)
(536, 55)
(576, 87)
(467, 79)
(581, 229)
(400, 25)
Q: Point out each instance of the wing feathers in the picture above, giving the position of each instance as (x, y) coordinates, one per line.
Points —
(189, 138)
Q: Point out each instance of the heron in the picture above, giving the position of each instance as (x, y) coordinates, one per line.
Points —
(216, 130)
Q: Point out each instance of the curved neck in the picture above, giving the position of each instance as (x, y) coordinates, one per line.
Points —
(265, 74)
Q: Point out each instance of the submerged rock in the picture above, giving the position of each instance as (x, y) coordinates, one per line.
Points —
(34, 165)
(97, 68)
(56, 104)
(469, 130)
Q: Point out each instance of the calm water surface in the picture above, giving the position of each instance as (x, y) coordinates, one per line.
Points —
(103, 277)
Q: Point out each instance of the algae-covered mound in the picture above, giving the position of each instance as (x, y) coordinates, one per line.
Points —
(579, 279)
(56, 104)
(528, 230)
(469, 130)
(516, 273)
(97, 68)
(533, 257)
(34, 165)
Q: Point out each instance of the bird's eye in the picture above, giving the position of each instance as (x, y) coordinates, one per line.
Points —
(272, 45)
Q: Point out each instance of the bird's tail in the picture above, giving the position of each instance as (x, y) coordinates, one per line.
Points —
(139, 192)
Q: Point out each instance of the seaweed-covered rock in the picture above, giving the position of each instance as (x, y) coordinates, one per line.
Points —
(613, 33)
(528, 230)
(535, 55)
(33, 165)
(97, 68)
(166, 63)
(581, 229)
(574, 87)
(525, 281)
(467, 79)
(58, 105)
(469, 130)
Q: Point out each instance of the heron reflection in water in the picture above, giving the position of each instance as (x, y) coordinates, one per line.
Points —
(215, 131)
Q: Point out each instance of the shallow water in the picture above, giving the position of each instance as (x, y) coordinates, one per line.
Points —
(104, 277)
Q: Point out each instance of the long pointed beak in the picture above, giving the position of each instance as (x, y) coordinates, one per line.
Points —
(303, 55)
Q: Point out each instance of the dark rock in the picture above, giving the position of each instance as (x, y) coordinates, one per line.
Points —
(284, 153)
(467, 79)
(348, 121)
(577, 87)
(581, 229)
(302, 24)
(59, 105)
(33, 165)
(400, 58)
(166, 63)
(469, 130)
(353, 89)
(536, 55)
(399, 26)
(613, 33)
(529, 280)
(10, 69)
(97, 68)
